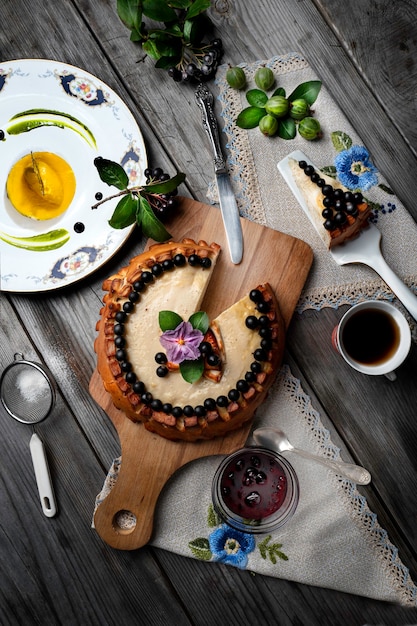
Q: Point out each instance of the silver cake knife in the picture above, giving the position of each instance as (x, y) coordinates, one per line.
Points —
(228, 206)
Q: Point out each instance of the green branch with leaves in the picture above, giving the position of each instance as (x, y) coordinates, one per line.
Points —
(174, 37)
(136, 202)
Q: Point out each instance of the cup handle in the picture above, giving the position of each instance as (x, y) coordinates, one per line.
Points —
(335, 343)
(391, 376)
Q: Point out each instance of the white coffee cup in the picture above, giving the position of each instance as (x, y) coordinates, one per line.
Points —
(373, 337)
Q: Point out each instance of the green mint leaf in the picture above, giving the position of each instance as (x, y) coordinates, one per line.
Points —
(125, 212)
(195, 29)
(200, 321)
(197, 7)
(165, 46)
(158, 10)
(152, 227)
(191, 371)
(111, 173)
(287, 128)
(168, 320)
(164, 63)
(136, 36)
(129, 11)
(256, 98)
(151, 48)
(250, 117)
(180, 4)
(188, 30)
(166, 186)
(309, 91)
(280, 91)
(340, 140)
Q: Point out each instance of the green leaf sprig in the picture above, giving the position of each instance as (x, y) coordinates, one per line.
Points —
(136, 203)
(176, 38)
(280, 115)
(271, 550)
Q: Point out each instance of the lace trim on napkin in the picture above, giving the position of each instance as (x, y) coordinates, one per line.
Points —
(264, 197)
(356, 502)
(356, 506)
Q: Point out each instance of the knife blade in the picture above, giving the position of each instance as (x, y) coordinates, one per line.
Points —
(227, 200)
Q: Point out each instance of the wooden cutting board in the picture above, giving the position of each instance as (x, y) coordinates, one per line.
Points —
(148, 460)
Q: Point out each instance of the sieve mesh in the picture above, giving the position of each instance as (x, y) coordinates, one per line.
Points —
(26, 392)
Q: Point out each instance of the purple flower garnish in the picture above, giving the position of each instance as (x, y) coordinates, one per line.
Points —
(355, 170)
(182, 343)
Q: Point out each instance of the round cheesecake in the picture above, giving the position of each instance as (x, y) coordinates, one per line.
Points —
(243, 346)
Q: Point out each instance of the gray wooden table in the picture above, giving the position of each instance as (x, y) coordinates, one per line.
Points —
(62, 572)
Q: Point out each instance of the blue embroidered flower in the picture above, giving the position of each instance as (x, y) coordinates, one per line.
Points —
(355, 170)
(231, 546)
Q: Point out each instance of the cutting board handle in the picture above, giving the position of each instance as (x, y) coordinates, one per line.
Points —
(148, 461)
(144, 470)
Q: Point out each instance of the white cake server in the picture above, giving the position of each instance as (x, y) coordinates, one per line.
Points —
(365, 248)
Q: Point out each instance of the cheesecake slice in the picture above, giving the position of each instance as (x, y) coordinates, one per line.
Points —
(336, 213)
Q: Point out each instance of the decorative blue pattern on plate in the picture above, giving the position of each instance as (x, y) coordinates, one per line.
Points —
(103, 127)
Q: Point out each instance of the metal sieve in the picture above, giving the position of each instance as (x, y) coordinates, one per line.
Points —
(27, 392)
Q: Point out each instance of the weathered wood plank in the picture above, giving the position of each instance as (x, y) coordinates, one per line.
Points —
(371, 417)
(383, 48)
(254, 31)
(240, 598)
(59, 571)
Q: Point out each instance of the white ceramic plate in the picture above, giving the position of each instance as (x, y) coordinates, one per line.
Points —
(103, 127)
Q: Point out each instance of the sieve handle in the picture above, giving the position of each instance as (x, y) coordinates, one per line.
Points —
(43, 476)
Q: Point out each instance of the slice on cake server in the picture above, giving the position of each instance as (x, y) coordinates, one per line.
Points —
(350, 238)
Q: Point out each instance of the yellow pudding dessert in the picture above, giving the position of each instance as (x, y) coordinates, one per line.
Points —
(41, 185)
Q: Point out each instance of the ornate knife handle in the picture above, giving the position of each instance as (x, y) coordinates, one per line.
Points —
(205, 99)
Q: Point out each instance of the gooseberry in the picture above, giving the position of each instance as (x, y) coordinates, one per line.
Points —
(299, 109)
(309, 128)
(278, 106)
(268, 125)
(235, 77)
(264, 78)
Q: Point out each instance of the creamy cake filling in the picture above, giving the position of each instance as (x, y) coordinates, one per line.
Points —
(331, 231)
(143, 333)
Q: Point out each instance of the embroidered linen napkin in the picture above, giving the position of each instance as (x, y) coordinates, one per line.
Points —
(263, 196)
(334, 540)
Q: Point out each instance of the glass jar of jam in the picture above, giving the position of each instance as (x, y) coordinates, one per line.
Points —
(255, 490)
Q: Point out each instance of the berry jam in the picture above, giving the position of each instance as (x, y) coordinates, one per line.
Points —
(253, 485)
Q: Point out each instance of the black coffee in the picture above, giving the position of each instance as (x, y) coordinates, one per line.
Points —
(371, 336)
